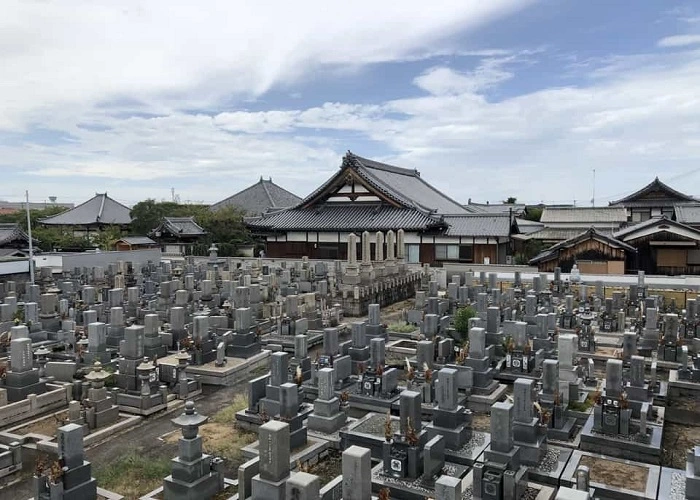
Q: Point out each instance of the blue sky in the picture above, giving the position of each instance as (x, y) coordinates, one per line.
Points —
(486, 99)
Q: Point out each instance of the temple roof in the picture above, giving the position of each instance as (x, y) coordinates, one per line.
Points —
(179, 226)
(653, 194)
(12, 231)
(101, 209)
(259, 198)
(346, 217)
(399, 186)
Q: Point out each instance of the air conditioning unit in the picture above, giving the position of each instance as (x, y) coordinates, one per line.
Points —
(509, 260)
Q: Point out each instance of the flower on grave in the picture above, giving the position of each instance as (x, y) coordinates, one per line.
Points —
(384, 494)
(411, 436)
(388, 429)
(298, 376)
(40, 466)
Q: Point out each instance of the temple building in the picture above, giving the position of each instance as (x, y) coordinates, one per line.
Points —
(94, 215)
(14, 242)
(262, 197)
(177, 235)
(366, 195)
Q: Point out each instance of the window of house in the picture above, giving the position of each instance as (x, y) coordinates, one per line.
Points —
(466, 253)
(413, 253)
(668, 212)
(446, 252)
(640, 215)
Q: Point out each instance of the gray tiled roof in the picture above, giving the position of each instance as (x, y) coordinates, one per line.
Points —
(101, 209)
(627, 232)
(672, 196)
(584, 215)
(11, 232)
(528, 226)
(138, 240)
(495, 208)
(180, 226)
(259, 198)
(492, 225)
(553, 252)
(556, 234)
(348, 217)
(688, 214)
(402, 185)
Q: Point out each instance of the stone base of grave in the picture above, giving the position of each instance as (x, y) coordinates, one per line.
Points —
(454, 438)
(533, 491)
(469, 452)
(10, 458)
(565, 433)
(204, 487)
(368, 432)
(234, 371)
(673, 485)
(89, 358)
(678, 388)
(412, 489)
(326, 425)
(551, 466)
(620, 447)
(510, 459)
(142, 405)
(18, 394)
(483, 403)
(647, 490)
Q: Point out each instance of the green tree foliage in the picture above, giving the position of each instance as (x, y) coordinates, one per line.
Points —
(224, 227)
(50, 238)
(511, 200)
(533, 214)
(461, 320)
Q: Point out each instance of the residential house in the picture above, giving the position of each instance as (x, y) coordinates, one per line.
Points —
(593, 251)
(653, 200)
(664, 246)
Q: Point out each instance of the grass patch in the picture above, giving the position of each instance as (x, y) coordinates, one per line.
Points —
(401, 328)
(581, 406)
(133, 475)
(221, 436)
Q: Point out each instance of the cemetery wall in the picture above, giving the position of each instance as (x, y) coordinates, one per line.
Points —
(14, 267)
(103, 259)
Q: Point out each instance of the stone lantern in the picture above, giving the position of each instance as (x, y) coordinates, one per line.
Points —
(41, 354)
(145, 371)
(97, 376)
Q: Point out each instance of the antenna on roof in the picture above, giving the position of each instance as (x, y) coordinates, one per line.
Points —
(593, 198)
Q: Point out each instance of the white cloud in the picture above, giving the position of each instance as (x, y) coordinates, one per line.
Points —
(178, 53)
(130, 73)
(679, 41)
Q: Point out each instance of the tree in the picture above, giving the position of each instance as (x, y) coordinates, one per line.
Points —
(511, 200)
(461, 320)
(224, 227)
(533, 214)
(49, 237)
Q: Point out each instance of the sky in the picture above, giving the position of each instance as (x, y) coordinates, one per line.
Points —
(523, 98)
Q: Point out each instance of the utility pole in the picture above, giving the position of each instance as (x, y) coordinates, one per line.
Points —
(31, 244)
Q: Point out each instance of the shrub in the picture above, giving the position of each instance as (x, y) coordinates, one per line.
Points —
(461, 320)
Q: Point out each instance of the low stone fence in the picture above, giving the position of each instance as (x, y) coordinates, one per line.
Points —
(57, 397)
